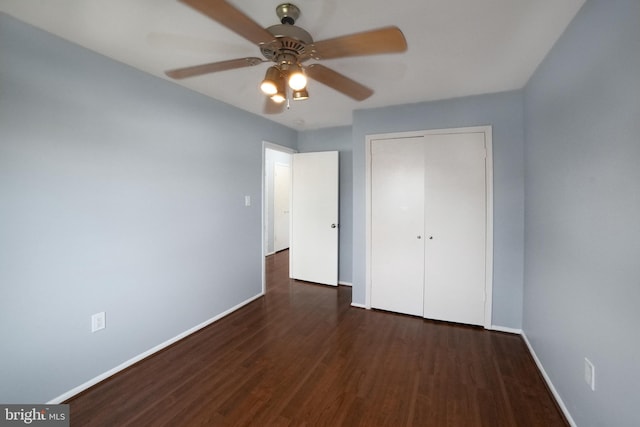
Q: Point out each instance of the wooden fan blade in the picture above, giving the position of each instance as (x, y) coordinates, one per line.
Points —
(339, 82)
(232, 18)
(271, 107)
(212, 67)
(381, 40)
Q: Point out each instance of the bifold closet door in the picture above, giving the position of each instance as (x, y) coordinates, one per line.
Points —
(397, 225)
(428, 226)
(455, 218)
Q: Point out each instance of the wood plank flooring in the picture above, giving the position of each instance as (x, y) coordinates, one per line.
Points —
(302, 356)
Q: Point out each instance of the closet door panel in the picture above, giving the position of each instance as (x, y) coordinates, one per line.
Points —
(397, 225)
(455, 227)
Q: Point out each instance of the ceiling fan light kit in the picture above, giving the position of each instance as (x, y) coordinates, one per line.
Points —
(288, 46)
(269, 85)
(281, 92)
(297, 79)
(300, 95)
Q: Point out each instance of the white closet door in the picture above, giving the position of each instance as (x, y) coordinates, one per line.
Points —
(455, 218)
(397, 225)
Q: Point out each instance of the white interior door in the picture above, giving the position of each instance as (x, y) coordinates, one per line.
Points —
(397, 224)
(455, 218)
(281, 206)
(313, 254)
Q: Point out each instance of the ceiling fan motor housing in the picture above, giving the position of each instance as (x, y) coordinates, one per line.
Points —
(290, 39)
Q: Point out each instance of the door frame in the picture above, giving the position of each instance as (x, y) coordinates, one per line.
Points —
(487, 130)
(271, 146)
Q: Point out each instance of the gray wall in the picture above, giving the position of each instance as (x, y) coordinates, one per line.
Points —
(122, 193)
(504, 111)
(330, 139)
(582, 252)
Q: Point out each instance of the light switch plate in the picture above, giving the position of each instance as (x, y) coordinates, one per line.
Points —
(98, 321)
(589, 373)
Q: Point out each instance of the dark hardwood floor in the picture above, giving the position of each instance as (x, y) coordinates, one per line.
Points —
(301, 356)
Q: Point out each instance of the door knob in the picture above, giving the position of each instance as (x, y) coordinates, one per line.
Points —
(430, 237)
(419, 237)
(333, 225)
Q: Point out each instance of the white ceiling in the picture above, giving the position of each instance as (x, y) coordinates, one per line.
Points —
(456, 47)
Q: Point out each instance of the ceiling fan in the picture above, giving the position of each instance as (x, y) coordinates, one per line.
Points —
(288, 47)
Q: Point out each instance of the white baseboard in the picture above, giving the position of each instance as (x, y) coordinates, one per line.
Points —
(345, 283)
(355, 304)
(105, 375)
(555, 393)
(505, 329)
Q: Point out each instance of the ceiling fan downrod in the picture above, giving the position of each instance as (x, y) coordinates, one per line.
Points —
(288, 13)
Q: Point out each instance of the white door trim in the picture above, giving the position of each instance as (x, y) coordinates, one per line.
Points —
(487, 130)
(267, 145)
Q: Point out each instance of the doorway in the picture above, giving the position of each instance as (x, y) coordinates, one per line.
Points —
(310, 182)
(276, 203)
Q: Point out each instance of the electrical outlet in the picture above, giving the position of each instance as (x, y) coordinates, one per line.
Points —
(589, 373)
(98, 321)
